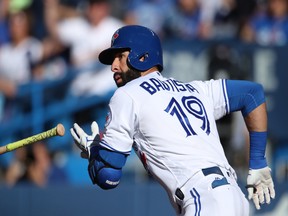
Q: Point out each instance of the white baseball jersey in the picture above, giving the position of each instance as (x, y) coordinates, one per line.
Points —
(171, 126)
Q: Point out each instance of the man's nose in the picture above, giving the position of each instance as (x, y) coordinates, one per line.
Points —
(115, 66)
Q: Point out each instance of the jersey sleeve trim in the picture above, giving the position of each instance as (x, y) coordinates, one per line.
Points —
(224, 88)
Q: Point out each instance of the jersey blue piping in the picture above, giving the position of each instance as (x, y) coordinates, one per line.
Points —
(225, 96)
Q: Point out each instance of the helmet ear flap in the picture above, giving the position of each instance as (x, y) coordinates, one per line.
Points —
(140, 62)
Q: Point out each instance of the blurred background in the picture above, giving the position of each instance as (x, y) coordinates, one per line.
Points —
(50, 74)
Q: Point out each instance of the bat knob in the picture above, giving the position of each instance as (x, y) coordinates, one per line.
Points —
(60, 129)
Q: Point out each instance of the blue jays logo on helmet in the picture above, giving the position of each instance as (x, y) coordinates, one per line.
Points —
(115, 35)
(142, 43)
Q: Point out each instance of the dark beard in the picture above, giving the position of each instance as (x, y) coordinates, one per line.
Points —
(127, 76)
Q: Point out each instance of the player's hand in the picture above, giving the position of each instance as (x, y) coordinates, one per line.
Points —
(260, 186)
(84, 141)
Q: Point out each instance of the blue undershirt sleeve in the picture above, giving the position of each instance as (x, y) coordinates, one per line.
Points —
(244, 96)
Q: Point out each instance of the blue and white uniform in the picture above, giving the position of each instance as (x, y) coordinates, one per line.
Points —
(172, 127)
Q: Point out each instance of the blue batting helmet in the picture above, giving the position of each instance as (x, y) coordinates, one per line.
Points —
(141, 42)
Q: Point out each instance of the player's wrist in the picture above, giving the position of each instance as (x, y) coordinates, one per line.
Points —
(257, 164)
(257, 150)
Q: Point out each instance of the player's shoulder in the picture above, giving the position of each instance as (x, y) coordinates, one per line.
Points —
(211, 83)
(124, 92)
(206, 82)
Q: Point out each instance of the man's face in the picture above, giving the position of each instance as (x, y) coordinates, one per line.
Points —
(122, 73)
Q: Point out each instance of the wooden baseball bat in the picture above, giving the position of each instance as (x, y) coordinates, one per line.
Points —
(59, 130)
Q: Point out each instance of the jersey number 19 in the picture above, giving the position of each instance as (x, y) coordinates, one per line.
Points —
(193, 106)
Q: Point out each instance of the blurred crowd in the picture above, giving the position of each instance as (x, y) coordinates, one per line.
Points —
(41, 39)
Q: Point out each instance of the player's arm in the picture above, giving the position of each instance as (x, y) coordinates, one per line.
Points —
(108, 155)
(249, 98)
(105, 166)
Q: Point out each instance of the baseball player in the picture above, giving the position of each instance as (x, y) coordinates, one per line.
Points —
(171, 126)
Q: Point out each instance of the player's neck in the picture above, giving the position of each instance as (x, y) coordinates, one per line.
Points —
(151, 70)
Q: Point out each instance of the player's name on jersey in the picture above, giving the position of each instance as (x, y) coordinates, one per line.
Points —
(155, 85)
